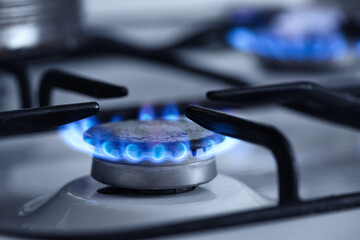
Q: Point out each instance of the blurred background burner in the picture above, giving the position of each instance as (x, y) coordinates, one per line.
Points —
(156, 154)
(316, 37)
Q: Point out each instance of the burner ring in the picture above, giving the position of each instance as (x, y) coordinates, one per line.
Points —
(145, 134)
(154, 177)
(156, 161)
(151, 142)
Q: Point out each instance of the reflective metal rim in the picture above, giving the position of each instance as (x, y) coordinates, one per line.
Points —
(153, 177)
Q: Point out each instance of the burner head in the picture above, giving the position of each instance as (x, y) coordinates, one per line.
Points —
(155, 154)
(157, 141)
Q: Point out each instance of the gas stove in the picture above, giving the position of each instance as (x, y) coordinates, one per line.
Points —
(175, 142)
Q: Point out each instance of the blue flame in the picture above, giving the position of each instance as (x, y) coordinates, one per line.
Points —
(72, 134)
(159, 153)
(315, 48)
(241, 39)
(180, 152)
(133, 153)
(110, 150)
(171, 112)
(146, 113)
(116, 118)
(212, 148)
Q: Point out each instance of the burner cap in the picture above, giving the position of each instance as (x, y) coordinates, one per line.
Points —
(146, 134)
(150, 169)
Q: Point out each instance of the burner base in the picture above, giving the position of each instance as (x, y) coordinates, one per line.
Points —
(117, 191)
(78, 206)
(154, 177)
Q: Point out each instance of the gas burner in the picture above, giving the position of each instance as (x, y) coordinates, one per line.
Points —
(306, 38)
(157, 154)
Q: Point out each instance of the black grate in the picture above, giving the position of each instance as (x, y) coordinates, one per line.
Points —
(336, 105)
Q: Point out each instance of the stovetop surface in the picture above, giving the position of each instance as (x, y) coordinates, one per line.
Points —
(38, 164)
(327, 155)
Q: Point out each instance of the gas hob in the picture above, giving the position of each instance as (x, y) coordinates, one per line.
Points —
(167, 160)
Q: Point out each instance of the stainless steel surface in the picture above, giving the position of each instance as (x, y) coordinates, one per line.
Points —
(78, 206)
(156, 176)
(337, 225)
(36, 165)
(327, 157)
(37, 27)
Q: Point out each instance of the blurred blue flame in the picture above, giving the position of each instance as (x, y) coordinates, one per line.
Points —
(116, 118)
(242, 39)
(315, 48)
(72, 134)
(146, 113)
(171, 112)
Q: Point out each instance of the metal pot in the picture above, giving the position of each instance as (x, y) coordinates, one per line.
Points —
(33, 28)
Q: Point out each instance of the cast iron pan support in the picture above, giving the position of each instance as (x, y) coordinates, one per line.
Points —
(48, 117)
(60, 79)
(37, 119)
(20, 73)
(310, 98)
(259, 134)
(101, 45)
